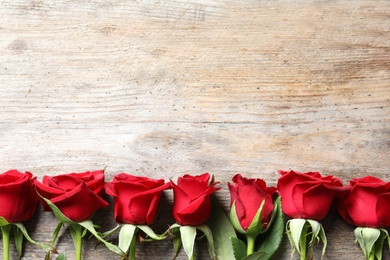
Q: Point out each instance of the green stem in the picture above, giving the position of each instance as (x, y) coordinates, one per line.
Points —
(250, 248)
(6, 230)
(78, 241)
(303, 243)
(371, 257)
(132, 246)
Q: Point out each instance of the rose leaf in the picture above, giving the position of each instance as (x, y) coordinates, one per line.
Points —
(256, 256)
(239, 248)
(222, 231)
(61, 257)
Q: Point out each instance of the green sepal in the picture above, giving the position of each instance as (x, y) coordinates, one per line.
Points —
(295, 230)
(87, 224)
(110, 232)
(175, 233)
(318, 233)
(371, 241)
(270, 240)
(299, 231)
(20, 232)
(210, 241)
(3, 222)
(22, 229)
(18, 235)
(256, 226)
(53, 239)
(126, 235)
(234, 219)
(188, 234)
(57, 212)
(239, 248)
(150, 233)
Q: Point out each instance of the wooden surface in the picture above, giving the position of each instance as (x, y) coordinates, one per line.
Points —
(164, 88)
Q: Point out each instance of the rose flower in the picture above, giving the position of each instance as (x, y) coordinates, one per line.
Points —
(192, 204)
(18, 199)
(307, 195)
(77, 195)
(136, 199)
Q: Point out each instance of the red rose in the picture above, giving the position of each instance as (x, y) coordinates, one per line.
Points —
(367, 204)
(75, 194)
(136, 199)
(192, 204)
(18, 199)
(248, 195)
(307, 195)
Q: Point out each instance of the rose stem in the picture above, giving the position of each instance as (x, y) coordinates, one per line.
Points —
(6, 230)
(78, 241)
(250, 248)
(132, 247)
(302, 244)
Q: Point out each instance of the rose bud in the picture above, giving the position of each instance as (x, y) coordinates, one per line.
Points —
(251, 204)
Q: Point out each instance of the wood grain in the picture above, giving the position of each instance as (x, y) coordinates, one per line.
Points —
(163, 88)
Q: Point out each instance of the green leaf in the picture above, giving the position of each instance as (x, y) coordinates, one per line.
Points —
(256, 256)
(270, 241)
(3, 222)
(89, 226)
(239, 248)
(222, 230)
(61, 257)
(126, 235)
(188, 234)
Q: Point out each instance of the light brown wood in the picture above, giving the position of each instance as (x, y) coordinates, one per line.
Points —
(164, 88)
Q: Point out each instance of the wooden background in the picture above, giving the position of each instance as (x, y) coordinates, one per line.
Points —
(164, 88)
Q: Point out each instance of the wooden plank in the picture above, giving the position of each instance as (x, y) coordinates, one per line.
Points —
(164, 88)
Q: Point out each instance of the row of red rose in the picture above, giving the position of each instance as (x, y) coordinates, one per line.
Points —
(364, 202)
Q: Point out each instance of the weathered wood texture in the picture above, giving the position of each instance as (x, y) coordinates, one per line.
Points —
(164, 88)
